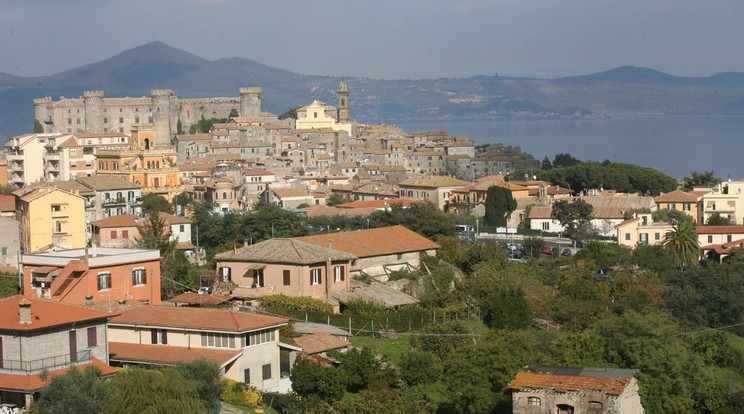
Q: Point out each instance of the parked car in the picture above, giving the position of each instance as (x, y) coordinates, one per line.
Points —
(547, 250)
(566, 252)
(205, 290)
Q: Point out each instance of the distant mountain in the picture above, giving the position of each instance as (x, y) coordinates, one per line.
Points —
(624, 90)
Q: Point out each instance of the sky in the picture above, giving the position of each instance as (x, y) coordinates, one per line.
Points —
(385, 39)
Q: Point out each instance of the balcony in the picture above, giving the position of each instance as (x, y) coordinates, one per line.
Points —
(113, 202)
(712, 209)
(52, 362)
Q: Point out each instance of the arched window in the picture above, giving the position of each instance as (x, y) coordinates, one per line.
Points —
(224, 195)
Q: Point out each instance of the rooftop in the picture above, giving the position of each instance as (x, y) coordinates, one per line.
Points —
(285, 251)
(208, 319)
(610, 380)
(44, 313)
(374, 242)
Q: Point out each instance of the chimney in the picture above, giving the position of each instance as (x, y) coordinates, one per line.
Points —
(25, 312)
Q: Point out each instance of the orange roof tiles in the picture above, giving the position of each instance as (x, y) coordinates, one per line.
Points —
(377, 203)
(320, 342)
(677, 196)
(33, 382)
(167, 354)
(374, 242)
(124, 220)
(44, 314)
(7, 203)
(198, 299)
(195, 318)
(609, 380)
(720, 229)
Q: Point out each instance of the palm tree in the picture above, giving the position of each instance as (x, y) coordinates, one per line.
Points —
(683, 243)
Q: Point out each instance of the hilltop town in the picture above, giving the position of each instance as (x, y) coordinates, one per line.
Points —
(286, 252)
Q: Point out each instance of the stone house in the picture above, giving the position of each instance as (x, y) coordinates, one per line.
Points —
(244, 345)
(545, 389)
(38, 336)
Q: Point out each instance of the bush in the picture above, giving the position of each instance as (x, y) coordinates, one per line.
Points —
(305, 304)
(241, 394)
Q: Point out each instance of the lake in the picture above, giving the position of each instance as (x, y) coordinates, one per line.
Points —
(675, 145)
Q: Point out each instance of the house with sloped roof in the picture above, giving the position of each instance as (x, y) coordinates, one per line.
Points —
(542, 389)
(688, 203)
(642, 229)
(603, 219)
(41, 336)
(379, 251)
(435, 188)
(244, 345)
(283, 266)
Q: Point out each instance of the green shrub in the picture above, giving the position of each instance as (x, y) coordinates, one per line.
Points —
(305, 304)
(241, 394)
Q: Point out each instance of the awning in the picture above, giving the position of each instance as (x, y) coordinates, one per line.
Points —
(44, 273)
(256, 266)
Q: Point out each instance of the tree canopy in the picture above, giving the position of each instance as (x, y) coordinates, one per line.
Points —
(574, 216)
(499, 205)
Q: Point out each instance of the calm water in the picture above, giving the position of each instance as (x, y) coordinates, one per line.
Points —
(675, 145)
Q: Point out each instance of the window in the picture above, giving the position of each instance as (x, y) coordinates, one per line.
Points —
(546, 226)
(728, 238)
(247, 376)
(4, 251)
(73, 151)
(258, 337)
(225, 274)
(104, 281)
(159, 336)
(266, 370)
(139, 277)
(657, 236)
(710, 238)
(535, 401)
(671, 206)
(314, 276)
(595, 407)
(92, 337)
(121, 120)
(181, 228)
(286, 277)
(105, 120)
(338, 273)
(258, 277)
(125, 234)
(217, 340)
(686, 207)
(113, 234)
(627, 236)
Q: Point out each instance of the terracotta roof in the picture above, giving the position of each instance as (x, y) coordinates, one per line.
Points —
(124, 220)
(170, 219)
(374, 242)
(102, 183)
(257, 171)
(195, 318)
(291, 192)
(321, 210)
(433, 181)
(320, 342)
(377, 203)
(44, 314)
(609, 380)
(293, 251)
(677, 196)
(7, 203)
(33, 382)
(167, 354)
(192, 298)
(720, 230)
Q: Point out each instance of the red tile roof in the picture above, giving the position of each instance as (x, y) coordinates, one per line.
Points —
(720, 229)
(7, 203)
(195, 318)
(44, 314)
(677, 196)
(124, 220)
(609, 380)
(167, 354)
(377, 203)
(320, 342)
(192, 298)
(33, 382)
(374, 242)
(170, 219)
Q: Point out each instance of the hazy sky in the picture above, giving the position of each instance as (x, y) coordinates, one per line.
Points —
(385, 38)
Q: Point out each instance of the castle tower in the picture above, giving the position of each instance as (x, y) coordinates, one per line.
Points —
(161, 115)
(343, 103)
(43, 112)
(93, 101)
(250, 101)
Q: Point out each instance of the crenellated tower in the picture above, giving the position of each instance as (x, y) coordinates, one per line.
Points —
(43, 112)
(250, 101)
(343, 103)
(93, 101)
